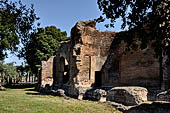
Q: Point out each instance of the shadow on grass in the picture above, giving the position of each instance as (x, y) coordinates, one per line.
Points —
(20, 86)
(49, 93)
(40, 93)
(33, 91)
(36, 93)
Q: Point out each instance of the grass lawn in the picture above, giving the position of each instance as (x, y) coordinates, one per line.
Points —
(28, 101)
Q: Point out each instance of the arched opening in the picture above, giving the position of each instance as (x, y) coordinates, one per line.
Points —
(64, 69)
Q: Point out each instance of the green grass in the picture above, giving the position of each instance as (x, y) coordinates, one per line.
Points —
(27, 101)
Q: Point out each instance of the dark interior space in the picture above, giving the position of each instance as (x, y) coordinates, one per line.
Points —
(98, 79)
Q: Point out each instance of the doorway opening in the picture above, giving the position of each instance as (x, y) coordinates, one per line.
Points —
(98, 79)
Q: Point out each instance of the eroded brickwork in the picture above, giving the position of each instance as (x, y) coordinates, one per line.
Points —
(87, 60)
(139, 68)
(90, 49)
(47, 72)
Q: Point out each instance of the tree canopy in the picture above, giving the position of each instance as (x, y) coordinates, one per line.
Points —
(147, 21)
(42, 45)
(16, 23)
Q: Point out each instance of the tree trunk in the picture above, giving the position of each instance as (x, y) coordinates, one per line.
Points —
(26, 78)
(10, 81)
(161, 72)
(29, 77)
(32, 78)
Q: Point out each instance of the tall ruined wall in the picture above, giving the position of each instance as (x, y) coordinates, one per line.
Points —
(88, 60)
(47, 72)
(139, 68)
(90, 49)
(62, 59)
(52, 72)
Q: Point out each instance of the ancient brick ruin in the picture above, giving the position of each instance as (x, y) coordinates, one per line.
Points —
(87, 60)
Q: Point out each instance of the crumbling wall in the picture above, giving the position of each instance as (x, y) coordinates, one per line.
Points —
(53, 70)
(90, 49)
(135, 68)
(141, 69)
(47, 72)
(62, 59)
(88, 60)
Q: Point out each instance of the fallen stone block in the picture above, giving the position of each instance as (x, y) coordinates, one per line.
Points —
(127, 95)
(95, 95)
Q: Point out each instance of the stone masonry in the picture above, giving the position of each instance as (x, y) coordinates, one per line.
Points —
(47, 72)
(87, 60)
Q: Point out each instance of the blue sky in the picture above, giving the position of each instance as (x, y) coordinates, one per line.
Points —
(64, 14)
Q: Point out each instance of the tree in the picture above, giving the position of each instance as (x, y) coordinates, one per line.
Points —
(148, 22)
(42, 45)
(16, 23)
(21, 72)
(25, 71)
(8, 72)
